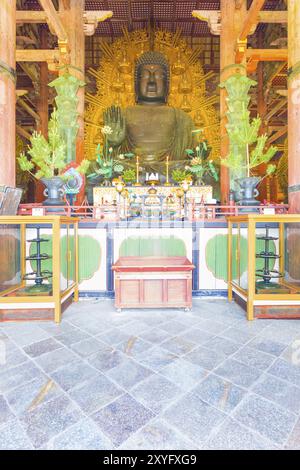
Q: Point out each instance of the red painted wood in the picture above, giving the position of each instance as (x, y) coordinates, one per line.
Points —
(132, 291)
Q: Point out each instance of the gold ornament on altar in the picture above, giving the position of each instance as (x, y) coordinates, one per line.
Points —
(186, 91)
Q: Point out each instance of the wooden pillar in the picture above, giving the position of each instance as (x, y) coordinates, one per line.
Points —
(42, 104)
(7, 92)
(261, 92)
(72, 19)
(294, 105)
(232, 15)
(42, 109)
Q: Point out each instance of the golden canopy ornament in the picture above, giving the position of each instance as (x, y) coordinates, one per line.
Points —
(115, 84)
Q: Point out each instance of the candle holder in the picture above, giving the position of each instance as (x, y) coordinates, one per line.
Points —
(119, 187)
(137, 183)
(167, 183)
(185, 186)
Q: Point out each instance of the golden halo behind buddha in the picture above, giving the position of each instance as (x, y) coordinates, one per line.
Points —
(116, 84)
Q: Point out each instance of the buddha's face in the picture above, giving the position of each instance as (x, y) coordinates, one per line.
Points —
(152, 84)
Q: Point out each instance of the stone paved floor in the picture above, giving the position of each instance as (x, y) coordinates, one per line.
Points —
(149, 379)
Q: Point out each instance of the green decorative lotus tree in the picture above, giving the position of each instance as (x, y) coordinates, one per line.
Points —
(129, 176)
(66, 87)
(46, 161)
(247, 147)
(179, 175)
(48, 158)
(200, 165)
(107, 164)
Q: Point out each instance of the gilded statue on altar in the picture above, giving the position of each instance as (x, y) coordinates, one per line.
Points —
(152, 95)
(150, 128)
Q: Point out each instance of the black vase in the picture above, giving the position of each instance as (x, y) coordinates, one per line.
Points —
(54, 191)
(248, 192)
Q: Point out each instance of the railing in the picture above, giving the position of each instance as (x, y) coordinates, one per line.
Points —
(216, 212)
(109, 213)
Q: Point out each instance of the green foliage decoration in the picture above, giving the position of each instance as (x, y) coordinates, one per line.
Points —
(66, 87)
(247, 147)
(199, 165)
(129, 176)
(179, 175)
(47, 158)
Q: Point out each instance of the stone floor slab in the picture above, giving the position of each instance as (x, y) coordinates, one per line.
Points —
(287, 371)
(87, 347)
(49, 419)
(42, 347)
(15, 376)
(128, 373)
(266, 418)
(173, 327)
(84, 435)
(238, 373)
(293, 442)
(238, 335)
(105, 359)
(178, 345)
(233, 436)
(196, 335)
(114, 336)
(267, 345)
(134, 347)
(95, 393)
(5, 412)
(156, 393)
(157, 435)
(254, 358)
(206, 358)
(73, 375)
(13, 437)
(219, 393)
(194, 418)
(222, 345)
(29, 395)
(51, 361)
(281, 392)
(122, 418)
(155, 335)
(72, 337)
(156, 358)
(183, 373)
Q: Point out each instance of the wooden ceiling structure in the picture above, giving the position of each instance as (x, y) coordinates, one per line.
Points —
(163, 14)
(37, 19)
(47, 38)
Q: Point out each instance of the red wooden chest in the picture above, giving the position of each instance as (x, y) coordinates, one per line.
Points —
(153, 282)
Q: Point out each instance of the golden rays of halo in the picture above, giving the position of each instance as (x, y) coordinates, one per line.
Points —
(115, 84)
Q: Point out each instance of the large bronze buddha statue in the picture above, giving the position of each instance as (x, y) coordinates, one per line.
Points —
(151, 128)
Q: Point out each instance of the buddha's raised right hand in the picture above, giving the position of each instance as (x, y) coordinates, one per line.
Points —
(113, 117)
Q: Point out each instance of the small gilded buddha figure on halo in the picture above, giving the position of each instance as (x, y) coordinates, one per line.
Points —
(151, 128)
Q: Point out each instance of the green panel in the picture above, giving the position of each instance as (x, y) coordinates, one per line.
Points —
(153, 246)
(46, 247)
(89, 256)
(260, 246)
(216, 256)
(216, 253)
